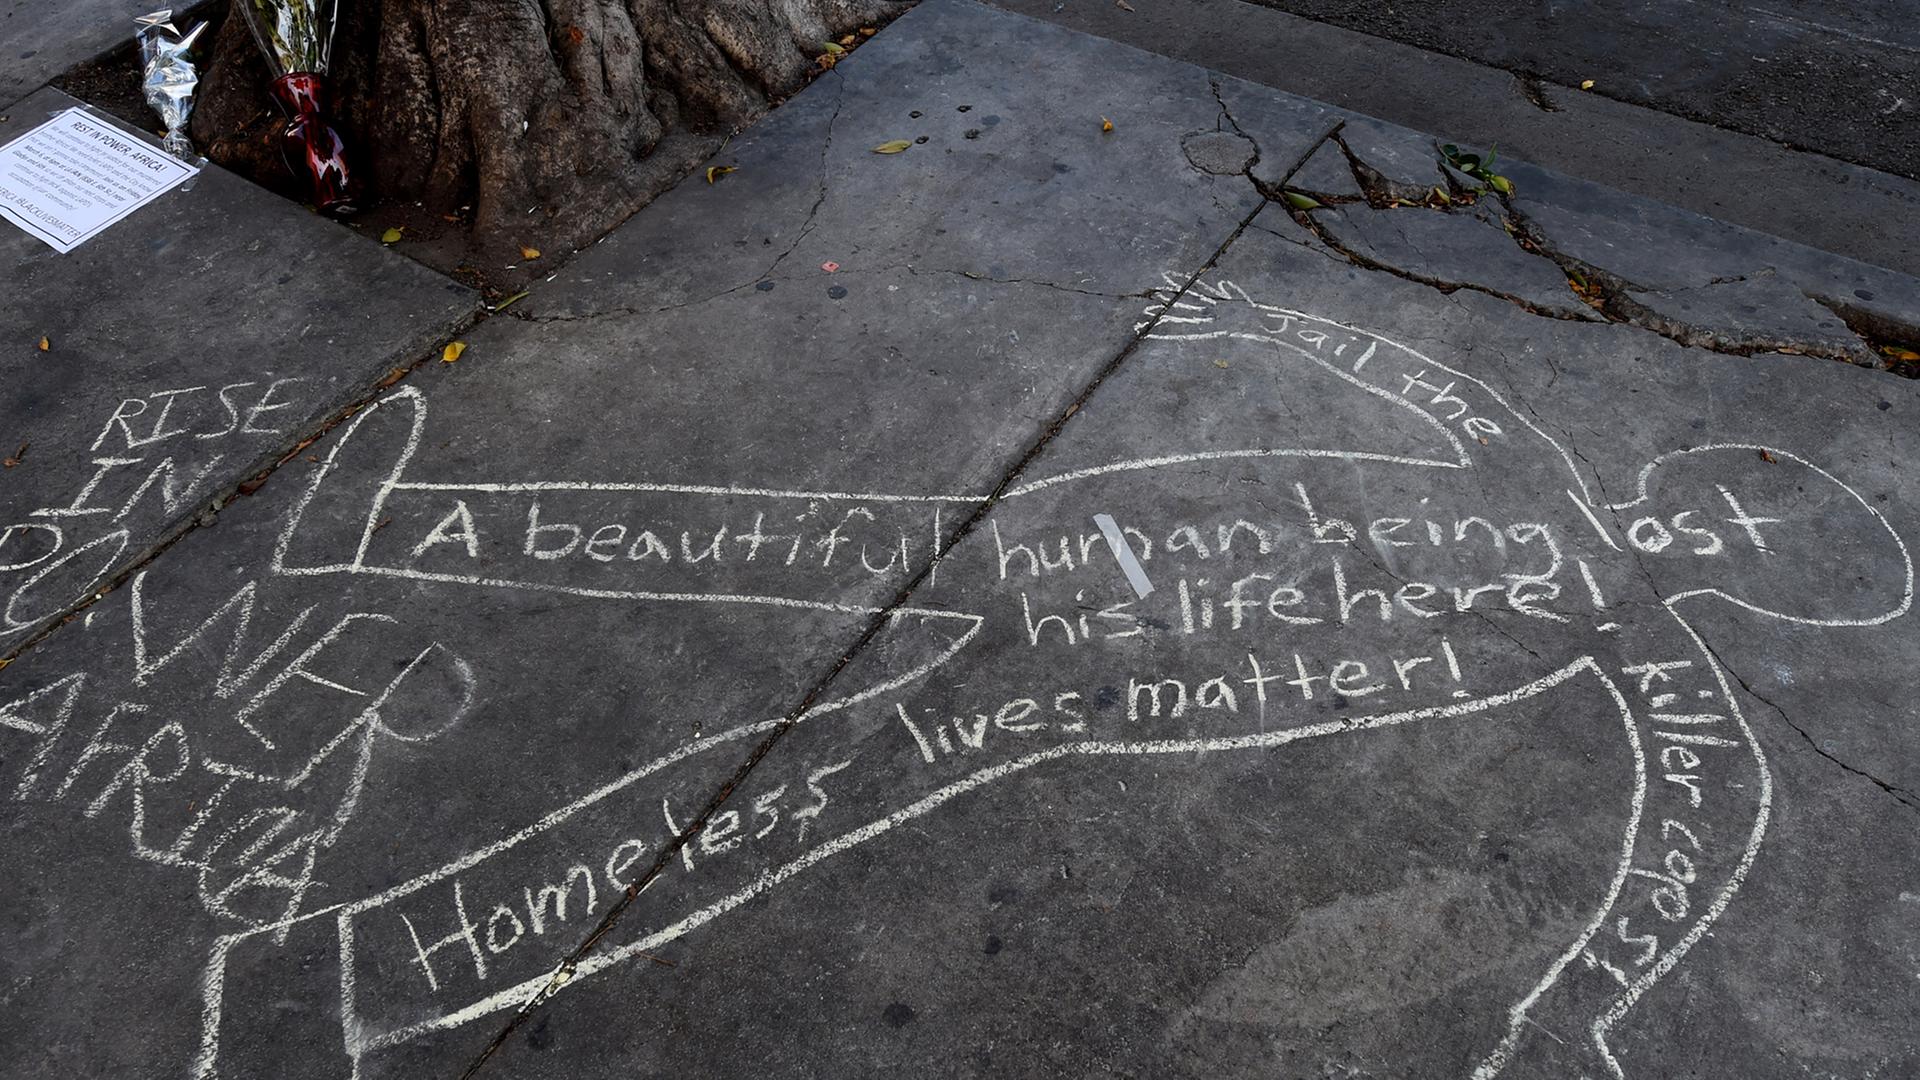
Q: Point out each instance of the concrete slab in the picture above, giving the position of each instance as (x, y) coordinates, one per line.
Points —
(1326, 175)
(723, 668)
(1757, 311)
(1627, 242)
(1100, 833)
(983, 269)
(42, 38)
(189, 346)
(1357, 782)
(1656, 246)
(1460, 247)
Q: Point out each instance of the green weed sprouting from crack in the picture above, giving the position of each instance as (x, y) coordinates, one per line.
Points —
(1480, 169)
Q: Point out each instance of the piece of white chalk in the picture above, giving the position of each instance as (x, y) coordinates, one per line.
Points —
(1123, 554)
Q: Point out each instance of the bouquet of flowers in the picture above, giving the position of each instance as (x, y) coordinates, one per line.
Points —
(297, 38)
(167, 76)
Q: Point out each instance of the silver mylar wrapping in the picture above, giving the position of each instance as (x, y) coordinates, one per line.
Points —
(167, 77)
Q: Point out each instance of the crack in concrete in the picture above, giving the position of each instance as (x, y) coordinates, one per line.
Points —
(569, 963)
(1331, 256)
(1275, 191)
(1907, 798)
(1618, 304)
(1213, 84)
(1615, 302)
(1381, 190)
(1365, 262)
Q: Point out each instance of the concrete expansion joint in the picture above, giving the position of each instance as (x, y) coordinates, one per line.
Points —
(250, 482)
(820, 687)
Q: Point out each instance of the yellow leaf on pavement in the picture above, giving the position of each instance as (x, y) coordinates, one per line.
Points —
(715, 172)
(1106, 124)
(45, 344)
(452, 352)
(1586, 84)
(893, 147)
(391, 236)
(529, 253)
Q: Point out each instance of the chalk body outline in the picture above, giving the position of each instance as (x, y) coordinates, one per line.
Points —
(359, 1042)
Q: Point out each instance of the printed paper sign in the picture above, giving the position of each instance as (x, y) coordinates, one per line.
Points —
(70, 178)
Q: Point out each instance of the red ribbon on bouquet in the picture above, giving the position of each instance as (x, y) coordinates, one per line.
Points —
(310, 142)
(297, 38)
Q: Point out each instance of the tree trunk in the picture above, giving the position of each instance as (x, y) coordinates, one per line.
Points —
(489, 111)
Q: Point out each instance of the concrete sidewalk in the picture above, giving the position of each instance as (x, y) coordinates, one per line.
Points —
(1053, 601)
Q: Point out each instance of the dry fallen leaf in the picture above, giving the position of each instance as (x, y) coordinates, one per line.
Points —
(715, 172)
(1122, 5)
(15, 459)
(849, 39)
(1586, 84)
(868, 31)
(1220, 363)
(1106, 124)
(1768, 457)
(45, 344)
(391, 236)
(893, 147)
(529, 253)
(452, 352)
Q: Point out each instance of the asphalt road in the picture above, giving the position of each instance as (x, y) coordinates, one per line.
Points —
(1838, 77)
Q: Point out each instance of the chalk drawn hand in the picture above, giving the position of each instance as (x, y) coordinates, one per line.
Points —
(1205, 310)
